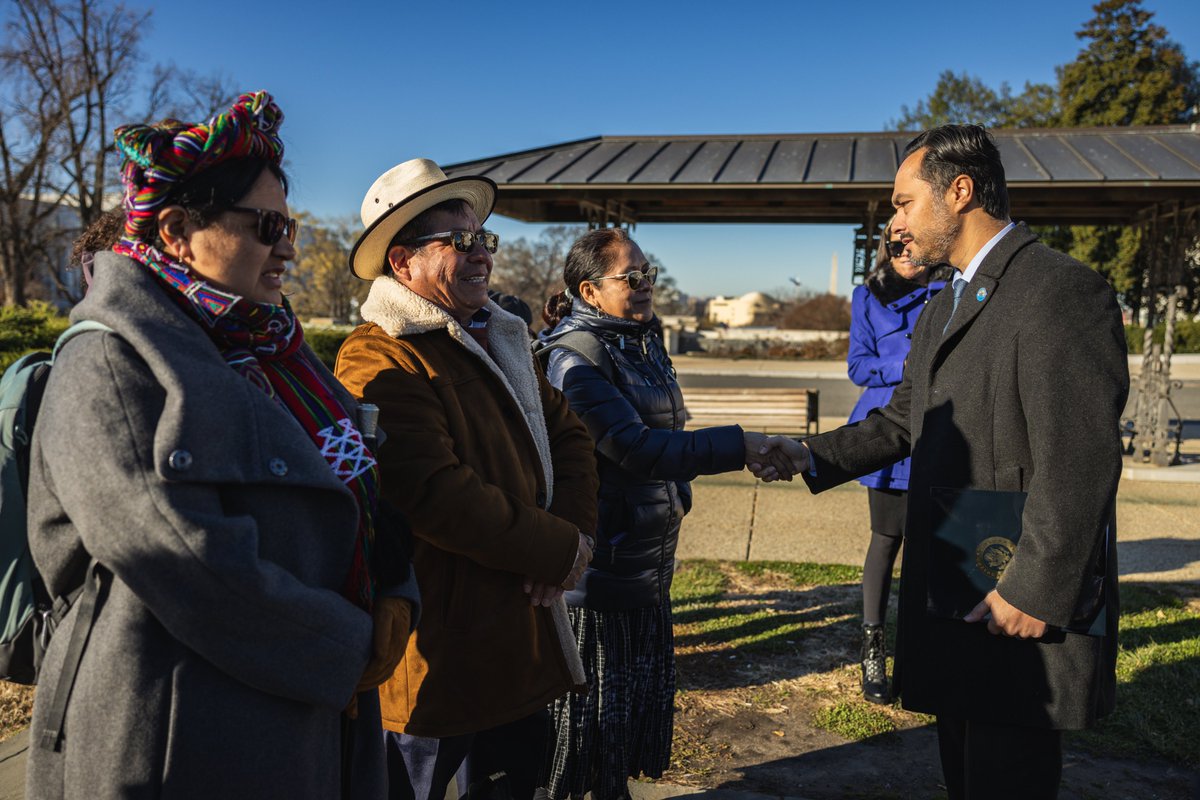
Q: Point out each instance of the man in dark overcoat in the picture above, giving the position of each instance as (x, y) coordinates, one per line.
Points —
(1015, 382)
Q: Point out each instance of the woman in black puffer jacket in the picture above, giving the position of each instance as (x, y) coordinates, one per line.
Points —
(603, 349)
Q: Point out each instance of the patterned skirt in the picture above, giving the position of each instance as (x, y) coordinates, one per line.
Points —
(621, 727)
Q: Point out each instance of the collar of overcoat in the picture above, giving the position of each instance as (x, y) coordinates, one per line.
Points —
(983, 284)
(233, 431)
(400, 312)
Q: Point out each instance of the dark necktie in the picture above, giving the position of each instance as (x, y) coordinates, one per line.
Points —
(960, 286)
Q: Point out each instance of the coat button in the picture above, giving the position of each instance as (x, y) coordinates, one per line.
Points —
(180, 460)
(278, 467)
(540, 498)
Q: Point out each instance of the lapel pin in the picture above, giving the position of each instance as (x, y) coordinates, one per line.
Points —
(981, 295)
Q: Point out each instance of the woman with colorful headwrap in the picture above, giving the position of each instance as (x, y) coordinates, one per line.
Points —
(201, 465)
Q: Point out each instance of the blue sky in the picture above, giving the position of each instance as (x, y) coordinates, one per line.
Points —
(367, 85)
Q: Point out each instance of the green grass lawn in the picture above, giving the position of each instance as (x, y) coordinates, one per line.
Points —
(1158, 663)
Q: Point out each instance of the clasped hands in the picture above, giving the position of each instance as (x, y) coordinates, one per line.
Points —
(544, 594)
(774, 458)
(392, 625)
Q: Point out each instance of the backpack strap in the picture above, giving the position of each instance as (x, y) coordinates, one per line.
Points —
(79, 327)
(89, 597)
(95, 589)
(586, 345)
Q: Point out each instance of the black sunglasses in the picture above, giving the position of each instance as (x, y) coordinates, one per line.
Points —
(272, 226)
(463, 241)
(635, 277)
(895, 249)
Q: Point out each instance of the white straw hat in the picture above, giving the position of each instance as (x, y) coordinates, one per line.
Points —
(398, 196)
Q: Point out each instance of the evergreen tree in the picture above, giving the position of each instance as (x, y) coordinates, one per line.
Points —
(965, 99)
(1128, 73)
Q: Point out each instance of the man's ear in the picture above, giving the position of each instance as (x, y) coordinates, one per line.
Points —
(397, 259)
(173, 230)
(960, 195)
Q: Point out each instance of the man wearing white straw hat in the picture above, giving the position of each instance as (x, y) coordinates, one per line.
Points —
(496, 476)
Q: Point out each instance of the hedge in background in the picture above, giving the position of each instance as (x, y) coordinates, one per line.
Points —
(24, 329)
(325, 342)
(1187, 336)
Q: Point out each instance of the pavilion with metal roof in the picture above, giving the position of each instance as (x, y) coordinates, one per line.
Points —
(1063, 176)
(1147, 177)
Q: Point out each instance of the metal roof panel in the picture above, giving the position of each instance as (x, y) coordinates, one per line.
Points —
(592, 162)
(789, 162)
(831, 161)
(1018, 164)
(1149, 151)
(747, 163)
(1186, 145)
(626, 166)
(1106, 159)
(547, 170)
(706, 162)
(667, 162)
(1058, 159)
(875, 161)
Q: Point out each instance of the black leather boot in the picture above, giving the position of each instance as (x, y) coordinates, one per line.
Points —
(874, 666)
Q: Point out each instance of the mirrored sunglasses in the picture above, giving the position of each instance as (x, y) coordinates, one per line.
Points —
(895, 249)
(634, 277)
(463, 241)
(272, 226)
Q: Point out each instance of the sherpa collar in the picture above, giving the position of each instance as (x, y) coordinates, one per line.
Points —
(399, 311)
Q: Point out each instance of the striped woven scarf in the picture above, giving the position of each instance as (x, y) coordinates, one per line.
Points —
(262, 342)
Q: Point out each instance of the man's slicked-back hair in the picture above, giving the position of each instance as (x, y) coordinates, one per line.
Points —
(953, 150)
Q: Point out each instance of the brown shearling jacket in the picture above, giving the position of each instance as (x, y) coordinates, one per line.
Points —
(497, 477)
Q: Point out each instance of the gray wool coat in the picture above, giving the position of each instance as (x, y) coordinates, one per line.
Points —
(1023, 393)
(224, 654)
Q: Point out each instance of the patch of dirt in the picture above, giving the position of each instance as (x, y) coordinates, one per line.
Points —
(744, 720)
(16, 706)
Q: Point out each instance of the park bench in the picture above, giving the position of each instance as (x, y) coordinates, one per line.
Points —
(790, 411)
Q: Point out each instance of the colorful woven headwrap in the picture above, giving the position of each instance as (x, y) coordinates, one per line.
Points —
(161, 156)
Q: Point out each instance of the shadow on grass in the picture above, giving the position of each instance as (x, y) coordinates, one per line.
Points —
(704, 610)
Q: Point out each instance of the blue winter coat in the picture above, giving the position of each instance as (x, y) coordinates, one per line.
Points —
(644, 457)
(880, 337)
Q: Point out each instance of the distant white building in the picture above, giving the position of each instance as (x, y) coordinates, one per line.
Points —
(754, 308)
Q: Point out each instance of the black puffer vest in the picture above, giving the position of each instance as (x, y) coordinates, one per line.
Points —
(634, 410)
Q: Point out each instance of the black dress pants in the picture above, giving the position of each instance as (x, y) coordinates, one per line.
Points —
(986, 761)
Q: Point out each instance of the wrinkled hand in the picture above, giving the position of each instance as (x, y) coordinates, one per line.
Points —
(545, 594)
(779, 458)
(1005, 618)
(542, 594)
(392, 617)
(583, 557)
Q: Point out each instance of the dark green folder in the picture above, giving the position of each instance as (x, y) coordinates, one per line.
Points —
(975, 534)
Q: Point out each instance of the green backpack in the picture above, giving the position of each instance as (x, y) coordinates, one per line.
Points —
(28, 614)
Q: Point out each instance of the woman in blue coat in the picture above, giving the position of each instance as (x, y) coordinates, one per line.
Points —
(604, 350)
(884, 311)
